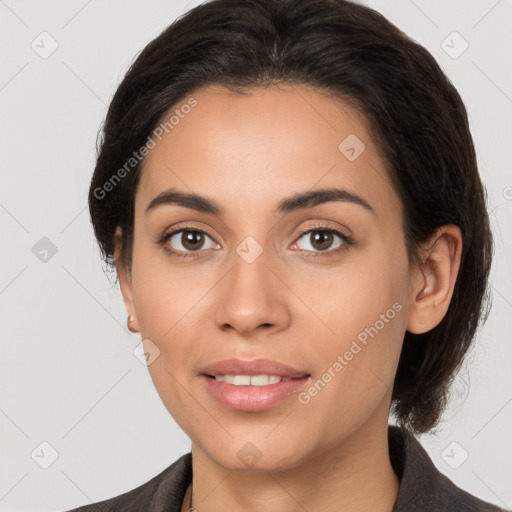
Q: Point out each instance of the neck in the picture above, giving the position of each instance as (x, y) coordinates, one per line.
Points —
(357, 473)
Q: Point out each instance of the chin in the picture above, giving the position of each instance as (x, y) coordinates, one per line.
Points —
(250, 454)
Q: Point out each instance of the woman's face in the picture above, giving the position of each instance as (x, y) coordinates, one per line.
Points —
(246, 283)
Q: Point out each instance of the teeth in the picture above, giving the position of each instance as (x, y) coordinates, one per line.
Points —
(250, 380)
(264, 380)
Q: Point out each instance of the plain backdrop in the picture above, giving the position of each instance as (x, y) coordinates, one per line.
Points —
(74, 397)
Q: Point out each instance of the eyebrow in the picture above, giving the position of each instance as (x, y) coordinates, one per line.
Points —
(298, 201)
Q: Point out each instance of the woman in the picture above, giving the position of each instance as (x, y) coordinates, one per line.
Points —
(289, 194)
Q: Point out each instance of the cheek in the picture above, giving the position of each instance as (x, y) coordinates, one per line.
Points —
(162, 291)
(350, 297)
(362, 310)
(358, 362)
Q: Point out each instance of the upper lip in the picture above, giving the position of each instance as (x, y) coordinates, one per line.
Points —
(253, 367)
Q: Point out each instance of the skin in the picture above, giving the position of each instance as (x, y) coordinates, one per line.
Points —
(247, 153)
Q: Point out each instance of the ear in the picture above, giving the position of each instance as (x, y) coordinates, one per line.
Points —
(125, 279)
(433, 281)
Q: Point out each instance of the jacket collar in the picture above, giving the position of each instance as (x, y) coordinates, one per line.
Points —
(423, 488)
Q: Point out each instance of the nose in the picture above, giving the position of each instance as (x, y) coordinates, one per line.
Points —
(252, 299)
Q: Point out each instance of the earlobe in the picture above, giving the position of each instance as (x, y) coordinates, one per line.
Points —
(129, 323)
(125, 282)
(432, 283)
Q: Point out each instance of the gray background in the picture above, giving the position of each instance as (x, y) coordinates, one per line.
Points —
(68, 376)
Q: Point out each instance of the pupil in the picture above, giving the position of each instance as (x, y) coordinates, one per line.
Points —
(321, 240)
(192, 240)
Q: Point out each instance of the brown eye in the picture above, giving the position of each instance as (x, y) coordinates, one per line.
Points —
(192, 240)
(187, 240)
(322, 240)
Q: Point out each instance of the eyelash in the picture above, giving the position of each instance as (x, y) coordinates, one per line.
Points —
(347, 242)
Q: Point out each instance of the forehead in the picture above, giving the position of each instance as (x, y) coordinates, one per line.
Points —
(251, 150)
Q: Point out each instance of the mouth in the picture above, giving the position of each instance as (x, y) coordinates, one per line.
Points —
(252, 386)
(250, 380)
(253, 368)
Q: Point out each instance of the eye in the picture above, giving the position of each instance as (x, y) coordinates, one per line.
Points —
(322, 240)
(187, 240)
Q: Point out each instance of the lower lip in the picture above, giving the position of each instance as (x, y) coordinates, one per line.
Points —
(252, 398)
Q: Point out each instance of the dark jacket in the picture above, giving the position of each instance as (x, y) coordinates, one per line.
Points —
(423, 488)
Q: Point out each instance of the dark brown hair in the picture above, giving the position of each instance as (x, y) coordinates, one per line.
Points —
(352, 52)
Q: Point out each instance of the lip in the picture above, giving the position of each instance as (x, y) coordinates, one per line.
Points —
(253, 367)
(252, 398)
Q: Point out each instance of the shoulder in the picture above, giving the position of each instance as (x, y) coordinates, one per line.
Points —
(423, 488)
(164, 492)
